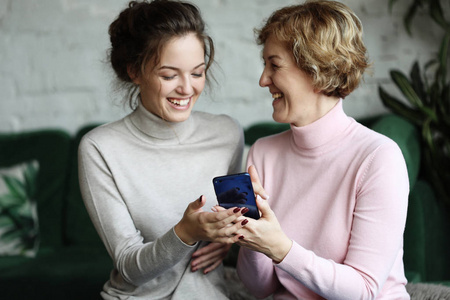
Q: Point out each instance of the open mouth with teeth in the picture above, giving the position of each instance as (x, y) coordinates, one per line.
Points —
(179, 102)
(276, 96)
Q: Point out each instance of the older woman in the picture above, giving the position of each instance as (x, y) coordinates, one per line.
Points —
(334, 227)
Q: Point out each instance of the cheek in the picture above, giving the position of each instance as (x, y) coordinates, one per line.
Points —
(199, 85)
(166, 87)
(280, 82)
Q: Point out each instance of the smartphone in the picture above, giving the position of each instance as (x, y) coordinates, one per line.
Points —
(236, 190)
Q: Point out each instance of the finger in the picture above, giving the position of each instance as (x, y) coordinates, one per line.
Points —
(196, 205)
(233, 230)
(257, 186)
(264, 208)
(208, 259)
(223, 218)
(235, 218)
(218, 252)
(208, 248)
(212, 267)
(218, 208)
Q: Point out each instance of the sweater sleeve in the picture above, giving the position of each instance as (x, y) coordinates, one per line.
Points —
(236, 162)
(256, 272)
(136, 260)
(376, 236)
(255, 269)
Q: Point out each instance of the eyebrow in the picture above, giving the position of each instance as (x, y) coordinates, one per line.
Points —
(273, 56)
(176, 69)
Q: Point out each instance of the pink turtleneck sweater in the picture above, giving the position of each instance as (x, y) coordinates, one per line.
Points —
(340, 192)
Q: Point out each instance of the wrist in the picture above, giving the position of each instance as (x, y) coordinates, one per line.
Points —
(183, 235)
(281, 249)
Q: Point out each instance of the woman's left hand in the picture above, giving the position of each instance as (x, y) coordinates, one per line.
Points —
(209, 257)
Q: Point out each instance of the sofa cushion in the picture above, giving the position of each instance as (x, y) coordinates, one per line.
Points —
(50, 148)
(18, 214)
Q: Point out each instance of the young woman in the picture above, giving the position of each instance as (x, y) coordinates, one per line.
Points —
(138, 174)
(338, 191)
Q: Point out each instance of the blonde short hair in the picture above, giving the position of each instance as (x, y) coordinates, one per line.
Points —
(326, 40)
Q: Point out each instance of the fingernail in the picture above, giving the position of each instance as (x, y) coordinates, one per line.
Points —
(236, 209)
(241, 237)
(244, 222)
(200, 198)
(244, 210)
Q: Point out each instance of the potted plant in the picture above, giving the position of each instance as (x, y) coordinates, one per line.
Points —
(427, 94)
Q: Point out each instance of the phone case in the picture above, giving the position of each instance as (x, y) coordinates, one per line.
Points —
(236, 191)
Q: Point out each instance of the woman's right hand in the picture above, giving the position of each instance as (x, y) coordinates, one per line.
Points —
(198, 225)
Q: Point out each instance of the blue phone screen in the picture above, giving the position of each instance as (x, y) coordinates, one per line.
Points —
(236, 191)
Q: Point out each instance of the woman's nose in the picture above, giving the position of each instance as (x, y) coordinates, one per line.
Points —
(185, 87)
(264, 80)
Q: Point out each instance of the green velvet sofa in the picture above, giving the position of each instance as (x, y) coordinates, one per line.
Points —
(71, 262)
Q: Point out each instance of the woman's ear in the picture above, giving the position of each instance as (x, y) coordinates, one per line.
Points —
(133, 74)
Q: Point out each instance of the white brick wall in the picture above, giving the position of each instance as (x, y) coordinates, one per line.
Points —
(52, 52)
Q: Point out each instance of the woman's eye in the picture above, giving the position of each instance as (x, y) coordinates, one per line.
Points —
(168, 77)
(197, 74)
(274, 66)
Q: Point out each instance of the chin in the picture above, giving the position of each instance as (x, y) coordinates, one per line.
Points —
(277, 118)
(179, 117)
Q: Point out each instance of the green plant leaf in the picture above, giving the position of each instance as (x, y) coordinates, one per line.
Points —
(441, 75)
(428, 136)
(15, 186)
(410, 14)
(400, 108)
(407, 90)
(24, 210)
(434, 94)
(417, 83)
(5, 221)
(391, 5)
(436, 13)
(444, 105)
(30, 177)
(11, 235)
(9, 200)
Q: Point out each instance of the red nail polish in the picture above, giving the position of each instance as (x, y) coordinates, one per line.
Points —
(236, 209)
(245, 210)
(200, 198)
(244, 222)
(241, 237)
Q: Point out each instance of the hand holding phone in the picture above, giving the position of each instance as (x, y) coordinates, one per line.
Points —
(236, 191)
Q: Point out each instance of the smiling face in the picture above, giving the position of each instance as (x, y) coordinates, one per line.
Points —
(295, 100)
(171, 88)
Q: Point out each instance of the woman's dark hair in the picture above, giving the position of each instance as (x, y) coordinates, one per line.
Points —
(142, 29)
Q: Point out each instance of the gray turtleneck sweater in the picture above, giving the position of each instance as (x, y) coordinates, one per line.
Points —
(137, 176)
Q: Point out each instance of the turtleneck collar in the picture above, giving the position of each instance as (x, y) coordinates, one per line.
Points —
(321, 131)
(154, 127)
